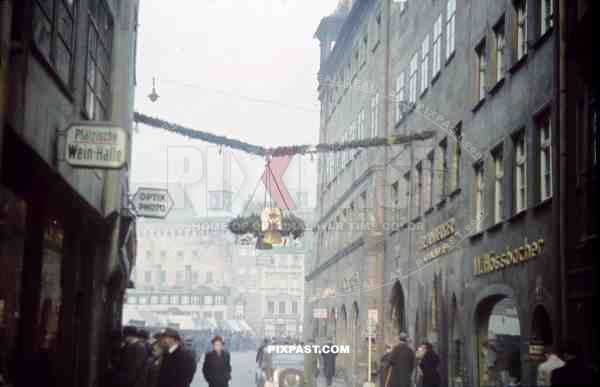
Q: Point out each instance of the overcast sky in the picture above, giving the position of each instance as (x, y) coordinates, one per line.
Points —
(242, 68)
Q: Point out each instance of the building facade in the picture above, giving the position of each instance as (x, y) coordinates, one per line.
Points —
(67, 245)
(464, 220)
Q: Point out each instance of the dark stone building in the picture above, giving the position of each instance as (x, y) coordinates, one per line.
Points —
(66, 241)
(479, 226)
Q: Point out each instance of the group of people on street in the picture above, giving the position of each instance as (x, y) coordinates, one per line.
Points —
(400, 366)
(163, 360)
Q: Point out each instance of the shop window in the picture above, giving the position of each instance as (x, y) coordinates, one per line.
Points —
(499, 342)
(13, 213)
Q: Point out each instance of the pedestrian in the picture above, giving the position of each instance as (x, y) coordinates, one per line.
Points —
(177, 366)
(384, 365)
(261, 352)
(429, 366)
(217, 366)
(574, 372)
(402, 362)
(131, 361)
(328, 362)
(544, 371)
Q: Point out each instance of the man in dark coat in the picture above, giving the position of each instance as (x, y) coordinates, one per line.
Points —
(328, 363)
(177, 366)
(402, 362)
(429, 367)
(132, 355)
(384, 365)
(574, 372)
(217, 366)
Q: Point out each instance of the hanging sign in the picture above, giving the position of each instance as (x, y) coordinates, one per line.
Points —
(96, 145)
(152, 202)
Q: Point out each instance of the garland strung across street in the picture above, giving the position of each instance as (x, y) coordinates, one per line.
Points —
(272, 226)
(282, 150)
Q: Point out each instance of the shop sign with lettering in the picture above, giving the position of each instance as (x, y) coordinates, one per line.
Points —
(491, 262)
(96, 145)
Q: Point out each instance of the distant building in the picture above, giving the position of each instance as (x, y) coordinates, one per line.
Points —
(183, 265)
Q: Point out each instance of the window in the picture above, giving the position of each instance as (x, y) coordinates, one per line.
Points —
(294, 307)
(148, 276)
(481, 69)
(281, 308)
(377, 30)
(365, 48)
(520, 172)
(375, 115)
(164, 299)
(207, 300)
(219, 300)
(54, 36)
(520, 43)
(456, 156)
(546, 15)
(450, 28)
(429, 181)
(498, 157)
(401, 5)
(185, 300)
(479, 194)
(162, 277)
(99, 56)
(498, 54)
(545, 135)
(425, 64)
(412, 79)
(271, 307)
(437, 46)
(417, 191)
(442, 170)
(174, 300)
(404, 201)
(361, 124)
(400, 96)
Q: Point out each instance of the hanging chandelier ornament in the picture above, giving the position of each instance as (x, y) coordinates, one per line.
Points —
(153, 96)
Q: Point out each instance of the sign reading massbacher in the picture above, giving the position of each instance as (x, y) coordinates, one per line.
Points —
(96, 145)
(491, 262)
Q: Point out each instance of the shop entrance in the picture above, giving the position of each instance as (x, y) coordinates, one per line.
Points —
(498, 342)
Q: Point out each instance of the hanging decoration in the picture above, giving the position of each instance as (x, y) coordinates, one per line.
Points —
(282, 150)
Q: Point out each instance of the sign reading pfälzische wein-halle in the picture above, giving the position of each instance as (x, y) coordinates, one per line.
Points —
(96, 145)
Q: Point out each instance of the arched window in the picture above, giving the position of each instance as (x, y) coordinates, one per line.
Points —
(398, 307)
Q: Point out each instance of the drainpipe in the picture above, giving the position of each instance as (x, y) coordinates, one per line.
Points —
(560, 226)
(5, 29)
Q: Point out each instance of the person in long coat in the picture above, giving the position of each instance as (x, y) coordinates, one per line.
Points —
(329, 364)
(177, 366)
(384, 365)
(402, 361)
(429, 366)
(217, 366)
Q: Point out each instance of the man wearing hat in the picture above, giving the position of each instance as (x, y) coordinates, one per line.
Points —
(217, 366)
(131, 358)
(178, 366)
(402, 362)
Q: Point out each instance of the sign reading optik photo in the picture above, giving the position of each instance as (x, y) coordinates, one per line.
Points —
(96, 146)
(152, 202)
